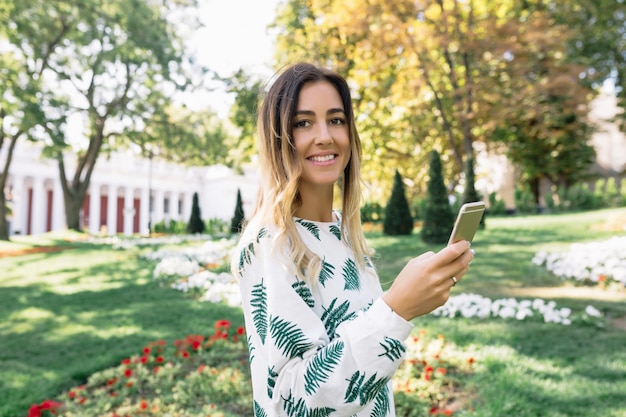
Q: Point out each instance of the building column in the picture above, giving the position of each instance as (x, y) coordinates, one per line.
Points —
(129, 211)
(58, 208)
(94, 208)
(144, 215)
(187, 202)
(38, 225)
(112, 211)
(20, 198)
(157, 210)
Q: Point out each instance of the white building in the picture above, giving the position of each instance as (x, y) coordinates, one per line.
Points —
(120, 191)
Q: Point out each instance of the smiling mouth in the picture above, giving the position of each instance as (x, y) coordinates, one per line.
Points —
(324, 158)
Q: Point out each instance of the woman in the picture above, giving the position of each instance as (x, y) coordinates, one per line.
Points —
(324, 339)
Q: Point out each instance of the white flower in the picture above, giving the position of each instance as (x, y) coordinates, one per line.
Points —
(592, 311)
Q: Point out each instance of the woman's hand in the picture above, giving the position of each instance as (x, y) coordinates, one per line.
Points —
(425, 281)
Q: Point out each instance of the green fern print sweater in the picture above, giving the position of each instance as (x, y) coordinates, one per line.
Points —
(324, 349)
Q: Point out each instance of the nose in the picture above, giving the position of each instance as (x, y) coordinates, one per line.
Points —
(323, 136)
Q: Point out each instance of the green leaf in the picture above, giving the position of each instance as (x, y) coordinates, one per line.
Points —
(322, 366)
(289, 338)
(394, 349)
(333, 317)
(271, 381)
(326, 272)
(335, 230)
(351, 276)
(259, 313)
(364, 390)
(311, 227)
(304, 292)
(258, 410)
(381, 403)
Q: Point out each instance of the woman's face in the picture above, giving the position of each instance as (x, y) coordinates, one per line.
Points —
(321, 137)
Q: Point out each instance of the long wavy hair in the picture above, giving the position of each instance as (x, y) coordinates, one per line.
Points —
(281, 170)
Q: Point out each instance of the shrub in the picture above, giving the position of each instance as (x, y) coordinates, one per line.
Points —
(438, 216)
(398, 219)
(470, 194)
(371, 212)
(195, 225)
(238, 218)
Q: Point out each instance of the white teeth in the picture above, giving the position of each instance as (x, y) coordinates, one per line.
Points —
(324, 158)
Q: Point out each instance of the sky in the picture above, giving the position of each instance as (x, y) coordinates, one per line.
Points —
(235, 36)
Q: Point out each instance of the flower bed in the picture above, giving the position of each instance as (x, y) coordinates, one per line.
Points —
(588, 263)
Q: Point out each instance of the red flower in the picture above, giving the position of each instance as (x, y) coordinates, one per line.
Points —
(433, 410)
(71, 394)
(185, 354)
(159, 359)
(144, 359)
(125, 361)
(128, 373)
(156, 369)
(470, 361)
(240, 330)
(143, 405)
(442, 371)
(49, 405)
(195, 345)
(146, 350)
(222, 324)
(34, 411)
(201, 368)
(112, 381)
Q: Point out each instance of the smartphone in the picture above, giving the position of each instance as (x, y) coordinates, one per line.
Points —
(467, 222)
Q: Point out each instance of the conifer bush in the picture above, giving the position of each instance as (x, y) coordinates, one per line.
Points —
(470, 194)
(438, 215)
(239, 216)
(195, 225)
(398, 219)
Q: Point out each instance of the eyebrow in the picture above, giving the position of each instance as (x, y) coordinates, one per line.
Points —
(310, 112)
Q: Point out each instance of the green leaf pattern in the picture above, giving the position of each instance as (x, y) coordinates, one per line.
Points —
(303, 290)
(322, 365)
(311, 227)
(394, 349)
(351, 276)
(327, 271)
(336, 231)
(334, 316)
(289, 337)
(259, 312)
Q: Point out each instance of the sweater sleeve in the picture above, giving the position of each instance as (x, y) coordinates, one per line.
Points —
(297, 367)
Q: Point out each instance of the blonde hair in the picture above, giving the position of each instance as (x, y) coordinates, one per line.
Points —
(280, 170)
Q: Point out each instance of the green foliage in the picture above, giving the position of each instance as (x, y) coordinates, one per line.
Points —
(236, 223)
(398, 219)
(438, 216)
(496, 205)
(470, 194)
(196, 224)
(372, 212)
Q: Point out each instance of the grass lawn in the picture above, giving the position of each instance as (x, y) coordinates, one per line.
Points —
(67, 314)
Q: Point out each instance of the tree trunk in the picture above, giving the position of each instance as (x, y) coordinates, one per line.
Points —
(72, 211)
(4, 176)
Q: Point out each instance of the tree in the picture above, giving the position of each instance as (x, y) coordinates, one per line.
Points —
(239, 217)
(110, 67)
(470, 194)
(438, 216)
(196, 224)
(30, 33)
(433, 75)
(398, 219)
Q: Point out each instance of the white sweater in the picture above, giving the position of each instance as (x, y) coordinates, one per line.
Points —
(324, 349)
